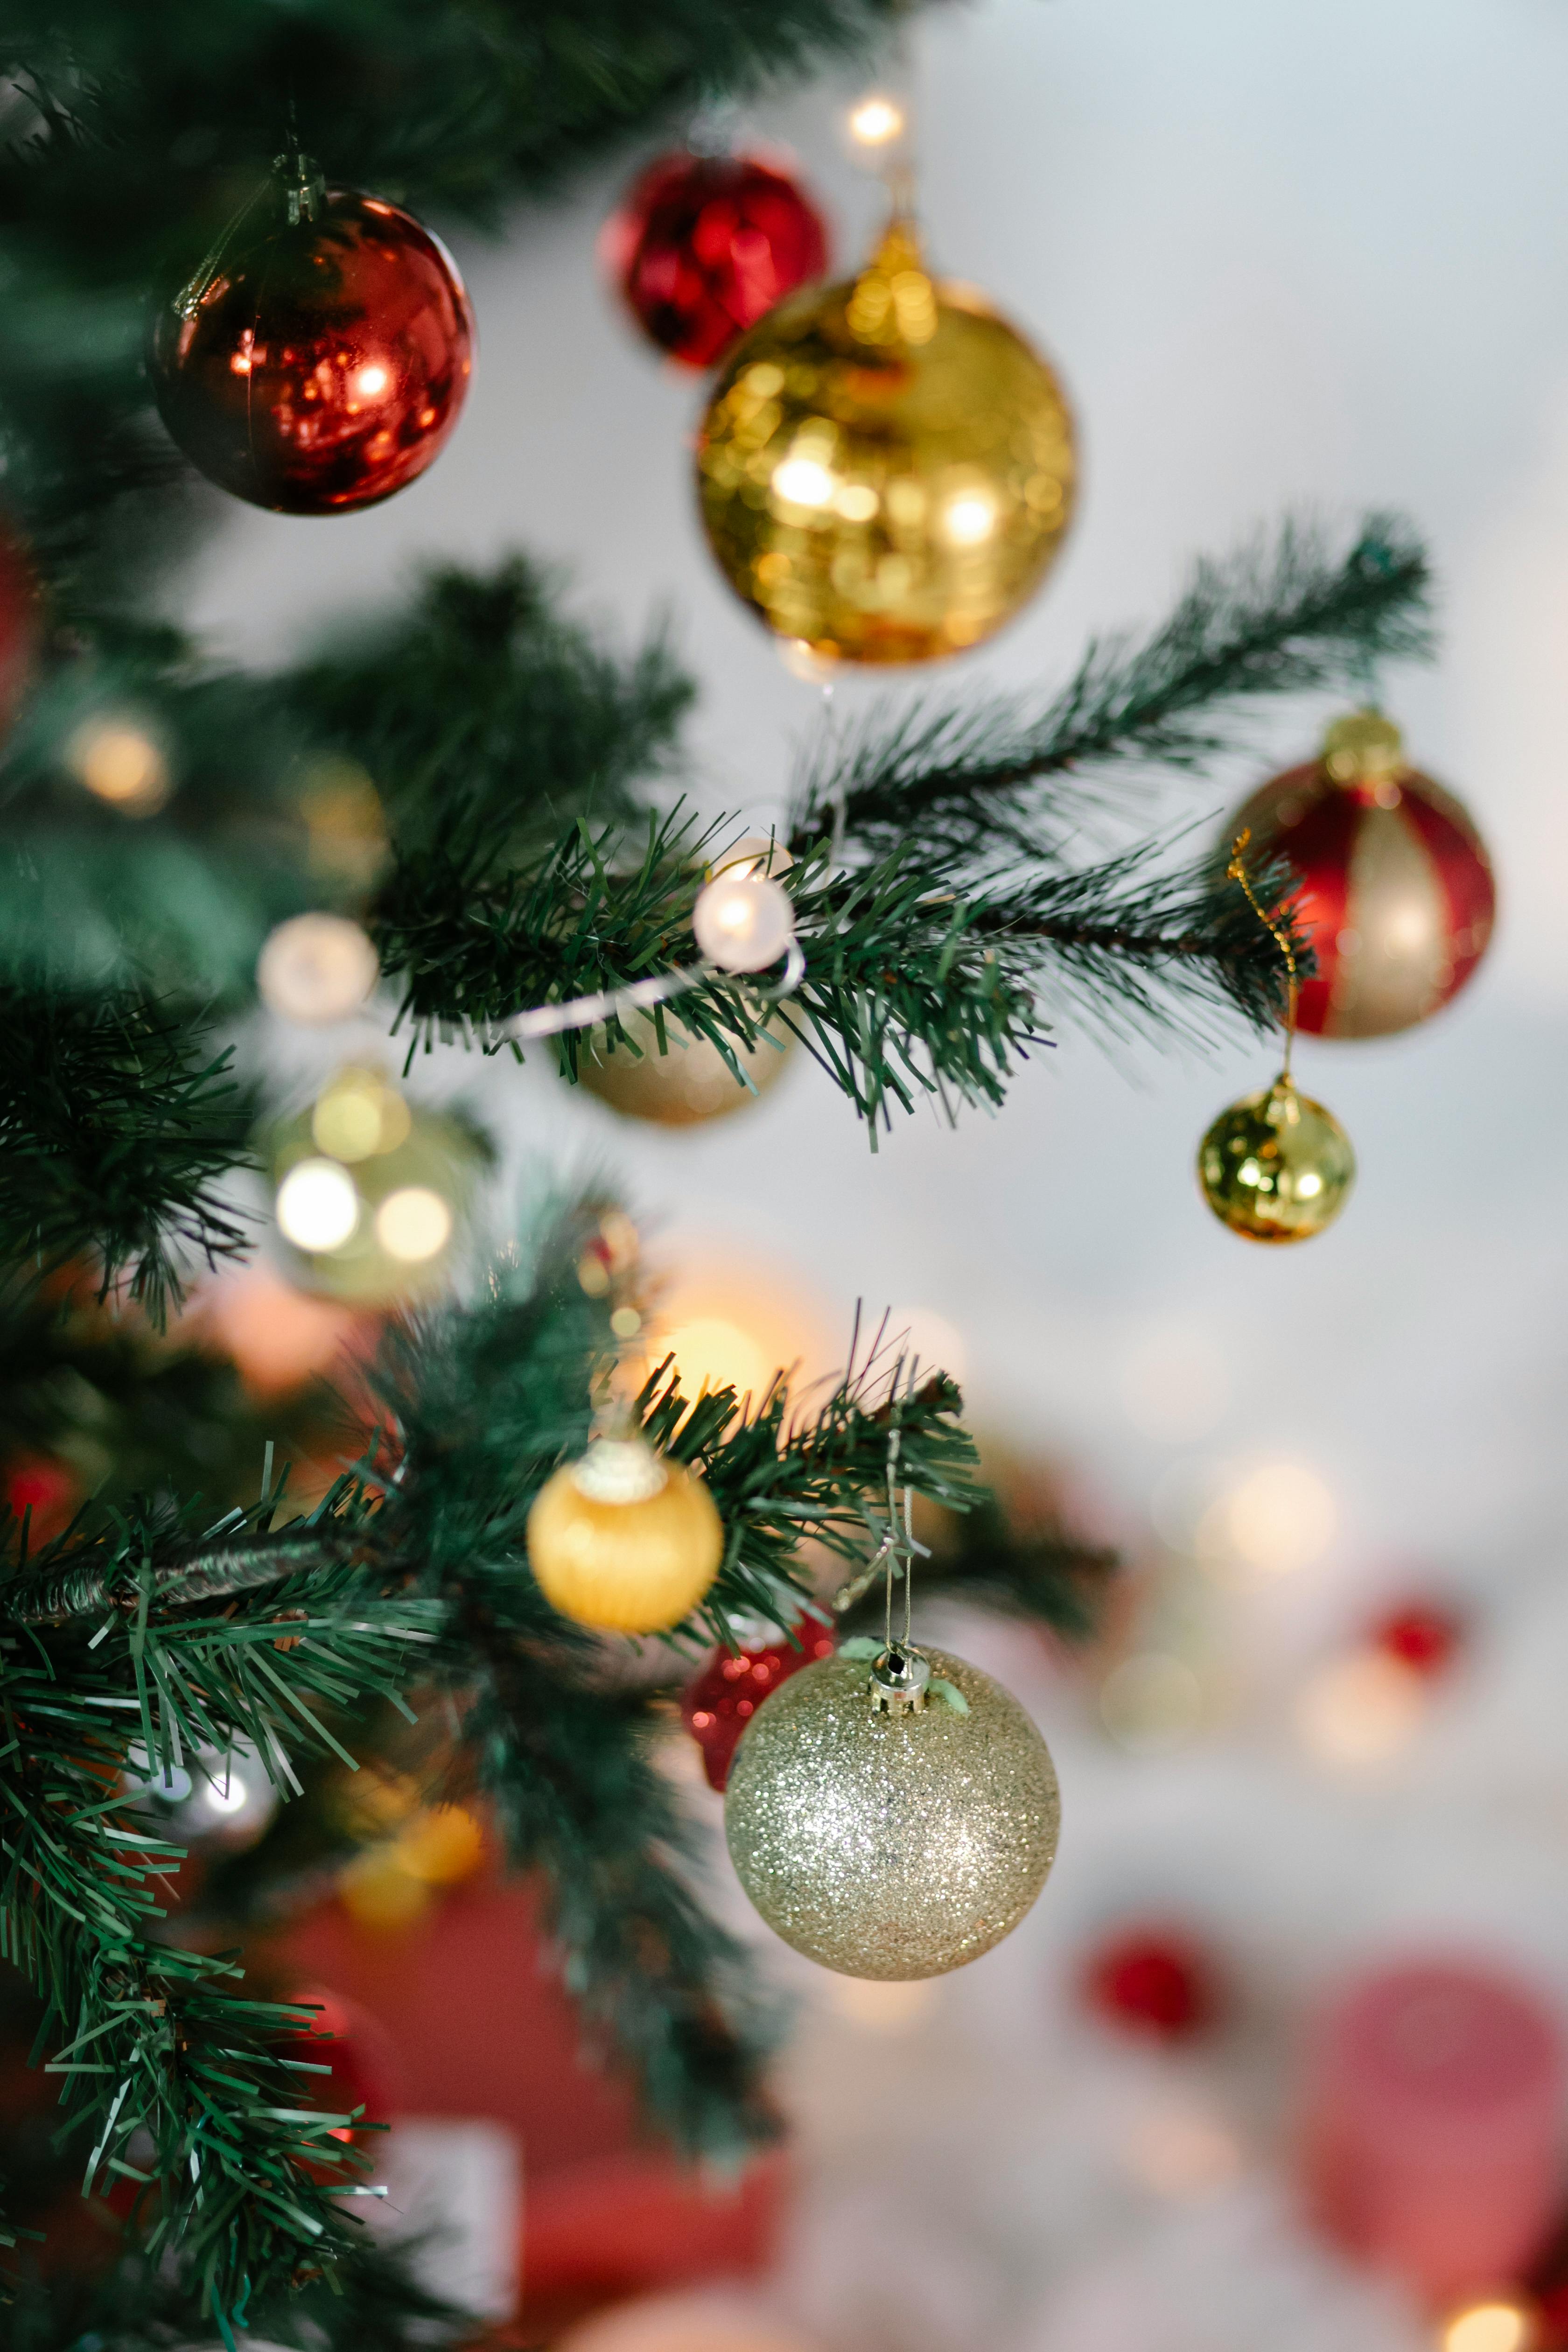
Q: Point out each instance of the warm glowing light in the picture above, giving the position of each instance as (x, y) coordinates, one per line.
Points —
(744, 922)
(712, 1353)
(969, 519)
(803, 482)
(317, 968)
(856, 503)
(317, 1207)
(1280, 1517)
(358, 1116)
(120, 765)
(1486, 2328)
(626, 1322)
(371, 380)
(928, 1340)
(1361, 1710)
(414, 1224)
(227, 1794)
(274, 1334)
(876, 121)
(1309, 1186)
(753, 853)
(1150, 1703)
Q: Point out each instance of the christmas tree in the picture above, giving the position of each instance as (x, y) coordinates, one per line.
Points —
(493, 798)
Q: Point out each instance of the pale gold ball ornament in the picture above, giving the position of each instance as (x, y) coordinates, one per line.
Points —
(372, 1192)
(624, 1539)
(886, 470)
(892, 1817)
(1277, 1167)
(690, 1082)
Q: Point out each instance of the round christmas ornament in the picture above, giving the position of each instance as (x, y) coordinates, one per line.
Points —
(717, 1706)
(370, 1192)
(318, 358)
(215, 1801)
(1422, 1635)
(1151, 1982)
(1396, 890)
(624, 1539)
(885, 468)
(893, 1816)
(18, 624)
(703, 246)
(688, 1084)
(360, 2054)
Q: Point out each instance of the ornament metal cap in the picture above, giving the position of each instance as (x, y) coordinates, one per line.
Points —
(619, 1470)
(900, 1680)
(1364, 748)
(303, 185)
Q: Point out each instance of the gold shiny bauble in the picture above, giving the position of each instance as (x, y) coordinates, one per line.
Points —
(407, 1176)
(624, 1539)
(1277, 1167)
(891, 1846)
(885, 468)
(690, 1082)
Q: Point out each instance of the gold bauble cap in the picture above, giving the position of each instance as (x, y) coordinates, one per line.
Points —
(1363, 748)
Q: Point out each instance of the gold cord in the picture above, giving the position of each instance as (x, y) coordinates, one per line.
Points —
(1237, 872)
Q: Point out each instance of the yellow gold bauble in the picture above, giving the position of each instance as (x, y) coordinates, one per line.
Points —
(885, 468)
(892, 1845)
(1277, 1167)
(624, 1539)
(690, 1082)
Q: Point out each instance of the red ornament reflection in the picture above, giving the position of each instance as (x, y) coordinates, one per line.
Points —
(703, 246)
(717, 1706)
(322, 365)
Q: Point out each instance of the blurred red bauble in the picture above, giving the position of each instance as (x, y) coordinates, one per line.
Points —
(704, 245)
(717, 1706)
(359, 2052)
(1421, 1636)
(18, 623)
(1148, 1980)
(320, 363)
(46, 1488)
(1396, 889)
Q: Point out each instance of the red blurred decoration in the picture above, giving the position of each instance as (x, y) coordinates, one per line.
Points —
(1150, 1981)
(1396, 894)
(359, 2052)
(320, 364)
(717, 1706)
(1432, 2132)
(46, 1488)
(18, 624)
(1421, 1636)
(703, 246)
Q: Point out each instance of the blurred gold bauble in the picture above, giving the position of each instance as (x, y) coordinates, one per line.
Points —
(690, 1083)
(885, 468)
(1277, 1167)
(891, 1846)
(370, 1192)
(624, 1539)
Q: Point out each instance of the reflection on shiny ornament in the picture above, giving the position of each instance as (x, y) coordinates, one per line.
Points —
(1276, 1166)
(319, 362)
(1280, 1517)
(882, 2008)
(743, 922)
(690, 1083)
(357, 1116)
(215, 1801)
(1396, 894)
(1151, 1703)
(120, 764)
(317, 968)
(318, 1205)
(1359, 1710)
(885, 468)
(1183, 2153)
(1175, 1385)
(1489, 2326)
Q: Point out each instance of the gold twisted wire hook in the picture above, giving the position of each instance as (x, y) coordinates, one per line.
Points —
(1237, 872)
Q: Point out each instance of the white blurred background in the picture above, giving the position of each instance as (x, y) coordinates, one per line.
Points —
(1283, 258)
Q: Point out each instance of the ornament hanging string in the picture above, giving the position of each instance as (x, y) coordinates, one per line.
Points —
(1237, 872)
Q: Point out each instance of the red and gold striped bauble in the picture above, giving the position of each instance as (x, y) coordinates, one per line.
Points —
(1396, 887)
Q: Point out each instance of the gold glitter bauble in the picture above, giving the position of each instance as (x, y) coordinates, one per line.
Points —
(885, 468)
(1277, 1167)
(690, 1083)
(891, 1846)
(624, 1539)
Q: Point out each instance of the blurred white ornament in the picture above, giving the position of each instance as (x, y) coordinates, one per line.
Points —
(317, 968)
(1359, 1710)
(744, 922)
(318, 1206)
(215, 1801)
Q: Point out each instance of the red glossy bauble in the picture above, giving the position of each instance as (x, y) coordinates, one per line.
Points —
(18, 624)
(704, 245)
(320, 363)
(1421, 1636)
(1396, 888)
(717, 1706)
(1150, 1981)
(359, 2052)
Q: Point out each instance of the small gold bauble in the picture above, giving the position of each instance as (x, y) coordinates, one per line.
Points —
(885, 468)
(891, 1844)
(1277, 1167)
(690, 1083)
(624, 1539)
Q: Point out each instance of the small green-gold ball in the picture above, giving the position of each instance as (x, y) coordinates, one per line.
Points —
(1277, 1167)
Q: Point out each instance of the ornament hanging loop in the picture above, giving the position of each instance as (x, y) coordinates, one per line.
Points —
(1237, 872)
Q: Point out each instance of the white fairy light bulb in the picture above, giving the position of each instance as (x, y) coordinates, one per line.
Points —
(317, 968)
(414, 1224)
(744, 922)
(753, 853)
(876, 120)
(318, 1205)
